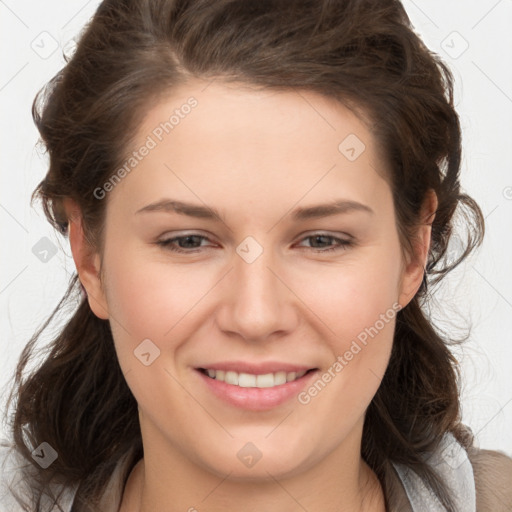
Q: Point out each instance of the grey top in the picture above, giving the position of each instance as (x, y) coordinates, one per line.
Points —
(452, 464)
(450, 461)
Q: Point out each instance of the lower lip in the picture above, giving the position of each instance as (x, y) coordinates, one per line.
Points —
(257, 399)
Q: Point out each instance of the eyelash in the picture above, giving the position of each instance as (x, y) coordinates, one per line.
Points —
(167, 244)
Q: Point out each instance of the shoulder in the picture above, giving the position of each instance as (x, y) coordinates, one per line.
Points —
(493, 479)
(14, 490)
(18, 481)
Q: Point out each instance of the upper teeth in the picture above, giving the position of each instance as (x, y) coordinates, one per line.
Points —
(248, 380)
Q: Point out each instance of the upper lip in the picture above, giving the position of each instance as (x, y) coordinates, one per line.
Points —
(255, 368)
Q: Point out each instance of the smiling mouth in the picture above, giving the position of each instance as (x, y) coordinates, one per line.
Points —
(249, 380)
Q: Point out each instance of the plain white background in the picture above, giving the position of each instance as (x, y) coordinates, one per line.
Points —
(474, 39)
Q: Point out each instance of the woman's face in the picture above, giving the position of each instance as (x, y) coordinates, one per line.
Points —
(288, 262)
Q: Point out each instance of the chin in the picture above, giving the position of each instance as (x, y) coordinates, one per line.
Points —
(260, 460)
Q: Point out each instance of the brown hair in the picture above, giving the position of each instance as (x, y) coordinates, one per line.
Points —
(362, 53)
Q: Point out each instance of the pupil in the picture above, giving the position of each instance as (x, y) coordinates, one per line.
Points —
(319, 237)
(185, 240)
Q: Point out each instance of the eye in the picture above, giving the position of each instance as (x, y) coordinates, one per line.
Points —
(326, 240)
(191, 243)
(183, 244)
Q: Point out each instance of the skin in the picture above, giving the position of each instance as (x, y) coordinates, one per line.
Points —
(256, 156)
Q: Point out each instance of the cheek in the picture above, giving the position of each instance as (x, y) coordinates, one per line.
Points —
(149, 303)
(353, 296)
(151, 299)
(360, 315)
(357, 305)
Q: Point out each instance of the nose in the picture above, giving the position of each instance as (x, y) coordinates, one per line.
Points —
(258, 302)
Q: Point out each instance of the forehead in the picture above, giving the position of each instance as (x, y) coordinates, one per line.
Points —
(230, 140)
(248, 117)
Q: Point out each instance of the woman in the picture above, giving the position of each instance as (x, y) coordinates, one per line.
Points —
(258, 198)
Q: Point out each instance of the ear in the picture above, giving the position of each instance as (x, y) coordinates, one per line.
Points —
(87, 261)
(414, 268)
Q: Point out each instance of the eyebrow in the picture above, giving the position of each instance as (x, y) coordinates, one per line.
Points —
(206, 212)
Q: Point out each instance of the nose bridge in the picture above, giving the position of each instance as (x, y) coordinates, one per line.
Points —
(257, 303)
